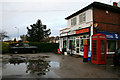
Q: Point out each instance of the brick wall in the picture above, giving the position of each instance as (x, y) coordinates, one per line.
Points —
(107, 21)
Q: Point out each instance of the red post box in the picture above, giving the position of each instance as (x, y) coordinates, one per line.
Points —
(98, 51)
(85, 56)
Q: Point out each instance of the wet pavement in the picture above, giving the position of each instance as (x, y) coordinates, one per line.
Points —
(50, 65)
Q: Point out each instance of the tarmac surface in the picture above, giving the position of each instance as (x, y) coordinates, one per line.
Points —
(50, 65)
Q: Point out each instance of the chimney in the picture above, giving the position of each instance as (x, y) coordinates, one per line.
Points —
(114, 4)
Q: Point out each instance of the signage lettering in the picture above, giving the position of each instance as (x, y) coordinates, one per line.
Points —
(116, 36)
(109, 36)
(82, 31)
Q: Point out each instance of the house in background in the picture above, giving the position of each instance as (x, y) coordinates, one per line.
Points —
(94, 18)
(53, 39)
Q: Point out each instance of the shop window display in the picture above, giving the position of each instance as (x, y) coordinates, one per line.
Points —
(111, 45)
(64, 44)
(82, 45)
(71, 44)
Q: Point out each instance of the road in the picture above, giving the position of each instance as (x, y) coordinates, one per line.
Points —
(61, 66)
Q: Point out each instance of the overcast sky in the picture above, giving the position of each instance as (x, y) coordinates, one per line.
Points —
(22, 13)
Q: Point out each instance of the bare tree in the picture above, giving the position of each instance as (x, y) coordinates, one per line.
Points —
(3, 35)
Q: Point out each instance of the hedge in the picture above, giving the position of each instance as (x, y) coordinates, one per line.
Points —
(45, 47)
(42, 47)
(5, 47)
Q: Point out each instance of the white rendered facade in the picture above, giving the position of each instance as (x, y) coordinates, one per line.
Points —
(67, 36)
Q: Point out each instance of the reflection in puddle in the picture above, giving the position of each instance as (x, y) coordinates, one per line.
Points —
(14, 69)
(22, 66)
(37, 66)
(54, 64)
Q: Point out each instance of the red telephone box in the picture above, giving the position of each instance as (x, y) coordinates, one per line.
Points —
(98, 51)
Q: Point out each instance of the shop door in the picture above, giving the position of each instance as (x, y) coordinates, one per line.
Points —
(77, 45)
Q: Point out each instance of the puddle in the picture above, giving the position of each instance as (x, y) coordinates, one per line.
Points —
(24, 66)
(14, 69)
(54, 64)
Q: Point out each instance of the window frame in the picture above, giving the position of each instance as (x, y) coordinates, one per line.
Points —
(73, 21)
(82, 18)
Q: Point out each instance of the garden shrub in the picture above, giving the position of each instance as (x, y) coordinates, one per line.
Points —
(5, 47)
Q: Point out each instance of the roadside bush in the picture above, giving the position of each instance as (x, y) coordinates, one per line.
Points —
(5, 47)
(46, 47)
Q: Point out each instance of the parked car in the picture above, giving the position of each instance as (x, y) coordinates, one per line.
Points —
(22, 48)
(116, 57)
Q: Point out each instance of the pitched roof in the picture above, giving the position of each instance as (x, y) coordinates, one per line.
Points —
(96, 5)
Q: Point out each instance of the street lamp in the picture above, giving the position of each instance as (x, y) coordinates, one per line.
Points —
(18, 32)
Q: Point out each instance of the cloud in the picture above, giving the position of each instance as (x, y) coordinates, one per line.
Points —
(22, 13)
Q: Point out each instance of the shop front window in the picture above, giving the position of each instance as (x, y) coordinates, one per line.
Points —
(111, 45)
(77, 42)
(82, 45)
(77, 50)
(77, 45)
(64, 44)
(71, 44)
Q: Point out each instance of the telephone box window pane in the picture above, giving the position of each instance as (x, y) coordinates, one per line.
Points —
(102, 46)
(111, 45)
(102, 50)
(94, 45)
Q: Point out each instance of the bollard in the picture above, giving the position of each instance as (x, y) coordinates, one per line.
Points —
(85, 55)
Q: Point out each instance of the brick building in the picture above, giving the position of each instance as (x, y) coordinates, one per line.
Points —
(94, 18)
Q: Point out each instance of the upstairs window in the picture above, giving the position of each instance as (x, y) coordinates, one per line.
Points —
(82, 18)
(73, 21)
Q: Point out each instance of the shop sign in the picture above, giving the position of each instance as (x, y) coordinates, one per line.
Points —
(64, 34)
(82, 30)
(84, 41)
(114, 36)
(71, 33)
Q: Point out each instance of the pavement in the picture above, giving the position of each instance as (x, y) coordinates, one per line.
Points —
(61, 66)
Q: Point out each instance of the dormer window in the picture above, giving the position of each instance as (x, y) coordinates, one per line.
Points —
(73, 21)
(82, 18)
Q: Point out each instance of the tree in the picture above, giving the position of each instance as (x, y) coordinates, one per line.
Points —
(38, 32)
(23, 37)
(3, 35)
(14, 40)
